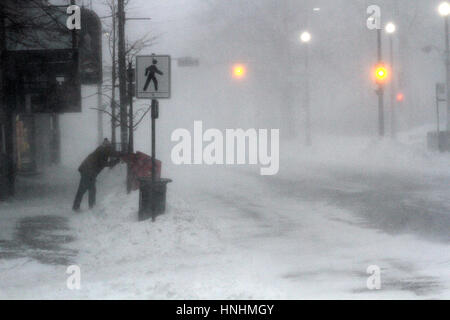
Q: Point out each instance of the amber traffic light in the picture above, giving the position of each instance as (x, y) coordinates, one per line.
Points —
(239, 71)
(381, 74)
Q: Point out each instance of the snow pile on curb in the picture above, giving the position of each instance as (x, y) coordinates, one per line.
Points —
(112, 244)
(406, 154)
(114, 221)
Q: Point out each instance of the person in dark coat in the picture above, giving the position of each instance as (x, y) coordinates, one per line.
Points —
(89, 170)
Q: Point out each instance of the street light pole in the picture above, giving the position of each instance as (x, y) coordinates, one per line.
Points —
(444, 11)
(390, 29)
(308, 139)
(380, 91)
(305, 37)
(393, 115)
(447, 65)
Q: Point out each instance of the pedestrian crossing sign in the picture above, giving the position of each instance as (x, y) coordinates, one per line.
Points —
(153, 77)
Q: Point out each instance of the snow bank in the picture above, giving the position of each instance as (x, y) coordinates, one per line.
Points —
(407, 154)
(114, 245)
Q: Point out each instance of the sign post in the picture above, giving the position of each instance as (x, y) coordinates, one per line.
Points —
(154, 116)
(153, 82)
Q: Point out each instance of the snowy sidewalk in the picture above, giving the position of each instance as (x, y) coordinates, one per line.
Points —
(41, 238)
(35, 224)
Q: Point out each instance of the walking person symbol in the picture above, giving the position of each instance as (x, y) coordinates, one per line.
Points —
(150, 73)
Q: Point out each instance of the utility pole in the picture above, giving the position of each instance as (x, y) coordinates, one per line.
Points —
(393, 106)
(122, 76)
(113, 75)
(447, 65)
(99, 100)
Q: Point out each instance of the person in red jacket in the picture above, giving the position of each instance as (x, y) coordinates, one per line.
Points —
(89, 170)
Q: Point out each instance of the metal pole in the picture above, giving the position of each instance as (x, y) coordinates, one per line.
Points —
(380, 91)
(447, 54)
(122, 74)
(153, 117)
(437, 114)
(393, 106)
(113, 77)
(130, 123)
(437, 118)
(307, 99)
(130, 116)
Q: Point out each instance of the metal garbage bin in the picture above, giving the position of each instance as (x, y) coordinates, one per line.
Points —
(152, 197)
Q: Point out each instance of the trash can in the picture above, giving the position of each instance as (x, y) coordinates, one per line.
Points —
(152, 197)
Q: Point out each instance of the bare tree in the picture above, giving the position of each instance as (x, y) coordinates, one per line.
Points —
(132, 48)
(34, 24)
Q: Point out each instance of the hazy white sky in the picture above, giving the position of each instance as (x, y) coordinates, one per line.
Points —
(342, 53)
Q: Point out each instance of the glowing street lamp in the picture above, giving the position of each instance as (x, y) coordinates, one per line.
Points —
(239, 71)
(305, 37)
(444, 9)
(390, 28)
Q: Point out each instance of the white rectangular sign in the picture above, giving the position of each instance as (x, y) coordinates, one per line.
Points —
(153, 77)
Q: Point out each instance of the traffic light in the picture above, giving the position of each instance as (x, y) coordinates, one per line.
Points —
(400, 97)
(381, 74)
(239, 71)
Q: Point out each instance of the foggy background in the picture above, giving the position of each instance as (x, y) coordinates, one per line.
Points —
(264, 36)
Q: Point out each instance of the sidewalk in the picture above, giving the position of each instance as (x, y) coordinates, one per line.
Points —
(34, 225)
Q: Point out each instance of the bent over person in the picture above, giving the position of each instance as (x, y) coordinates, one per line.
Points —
(89, 170)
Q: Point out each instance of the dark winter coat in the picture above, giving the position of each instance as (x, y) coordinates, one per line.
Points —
(97, 160)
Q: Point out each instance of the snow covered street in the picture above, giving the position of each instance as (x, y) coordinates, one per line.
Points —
(310, 232)
(194, 152)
